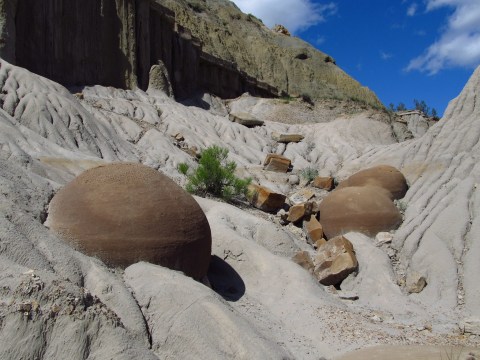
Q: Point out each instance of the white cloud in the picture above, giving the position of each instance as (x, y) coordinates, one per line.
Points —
(385, 56)
(295, 15)
(412, 9)
(459, 43)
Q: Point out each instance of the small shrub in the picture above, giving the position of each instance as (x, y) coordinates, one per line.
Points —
(215, 175)
(183, 168)
(309, 173)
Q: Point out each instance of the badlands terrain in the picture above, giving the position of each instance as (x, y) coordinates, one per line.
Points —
(164, 83)
(58, 303)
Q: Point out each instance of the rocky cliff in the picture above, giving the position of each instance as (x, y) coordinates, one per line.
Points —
(204, 45)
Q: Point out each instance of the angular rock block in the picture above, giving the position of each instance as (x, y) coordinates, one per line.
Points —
(365, 209)
(384, 176)
(278, 163)
(335, 261)
(287, 138)
(298, 212)
(325, 183)
(124, 213)
(303, 259)
(265, 199)
(313, 229)
(245, 119)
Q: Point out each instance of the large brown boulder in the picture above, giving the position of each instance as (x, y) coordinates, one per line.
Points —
(384, 176)
(124, 213)
(365, 209)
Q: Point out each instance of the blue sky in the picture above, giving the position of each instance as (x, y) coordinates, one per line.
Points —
(401, 49)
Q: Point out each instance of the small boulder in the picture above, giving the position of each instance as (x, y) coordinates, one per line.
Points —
(471, 326)
(277, 163)
(325, 183)
(298, 212)
(313, 229)
(301, 196)
(265, 199)
(287, 138)
(293, 179)
(281, 30)
(303, 259)
(245, 119)
(415, 282)
(384, 176)
(335, 261)
(383, 238)
(365, 209)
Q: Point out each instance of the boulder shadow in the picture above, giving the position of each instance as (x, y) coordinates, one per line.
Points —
(225, 280)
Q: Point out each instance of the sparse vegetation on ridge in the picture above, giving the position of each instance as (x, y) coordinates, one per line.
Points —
(215, 175)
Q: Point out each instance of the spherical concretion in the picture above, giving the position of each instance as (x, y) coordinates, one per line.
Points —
(124, 213)
(384, 176)
(365, 209)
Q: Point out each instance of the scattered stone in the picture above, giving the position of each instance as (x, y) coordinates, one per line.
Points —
(335, 261)
(384, 176)
(109, 210)
(265, 199)
(281, 30)
(366, 209)
(346, 295)
(293, 180)
(325, 183)
(178, 137)
(383, 238)
(287, 138)
(303, 259)
(277, 163)
(314, 231)
(297, 212)
(245, 119)
(301, 196)
(471, 326)
(415, 282)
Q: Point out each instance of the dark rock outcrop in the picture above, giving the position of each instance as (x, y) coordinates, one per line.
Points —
(205, 47)
(125, 213)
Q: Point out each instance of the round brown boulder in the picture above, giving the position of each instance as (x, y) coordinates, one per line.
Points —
(365, 209)
(124, 213)
(384, 176)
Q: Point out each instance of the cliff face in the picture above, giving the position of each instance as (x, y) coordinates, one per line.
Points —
(205, 46)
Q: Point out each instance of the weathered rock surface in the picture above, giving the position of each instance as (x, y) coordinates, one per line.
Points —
(401, 352)
(384, 176)
(245, 119)
(278, 163)
(314, 230)
(265, 199)
(325, 183)
(335, 261)
(200, 45)
(287, 138)
(298, 212)
(365, 209)
(304, 259)
(438, 237)
(126, 213)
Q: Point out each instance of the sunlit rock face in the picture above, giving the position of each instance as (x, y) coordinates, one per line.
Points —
(365, 209)
(384, 176)
(124, 213)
